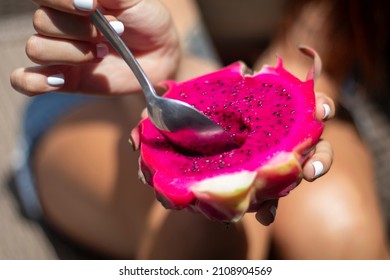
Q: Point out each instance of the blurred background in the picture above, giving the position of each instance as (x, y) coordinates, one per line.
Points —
(19, 238)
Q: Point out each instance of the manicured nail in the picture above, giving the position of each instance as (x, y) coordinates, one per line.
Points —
(318, 168)
(272, 210)
(83, 5)
(326, 111)
(56, 80)
(101, 50)
(118, 26)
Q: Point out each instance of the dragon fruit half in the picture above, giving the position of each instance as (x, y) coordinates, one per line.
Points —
(272, 113)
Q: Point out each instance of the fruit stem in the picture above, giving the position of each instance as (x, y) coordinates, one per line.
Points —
(315, 70)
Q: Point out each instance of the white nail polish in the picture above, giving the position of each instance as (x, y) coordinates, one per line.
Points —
(56, 80)
(318, 168)
(83, 5)
(118, 26)
(101, 50)
(326, 111)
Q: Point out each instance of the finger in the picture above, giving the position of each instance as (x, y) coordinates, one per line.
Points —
(57, 24)
(86, 79)
(37, 80)
(119, 4)
(144, 113)
(320, 162)
(47, 51)
(80, 7)
(267, 212)
(325, 108)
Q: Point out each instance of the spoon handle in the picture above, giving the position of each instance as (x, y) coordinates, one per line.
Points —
(117, 43)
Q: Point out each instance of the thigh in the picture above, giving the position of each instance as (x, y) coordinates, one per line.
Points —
(86, 172)
(337, 216)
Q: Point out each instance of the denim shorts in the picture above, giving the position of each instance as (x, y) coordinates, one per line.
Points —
(40, 114)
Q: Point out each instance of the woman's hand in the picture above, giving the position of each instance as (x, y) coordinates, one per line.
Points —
(314, 167)
(74, 57)
(320, 161)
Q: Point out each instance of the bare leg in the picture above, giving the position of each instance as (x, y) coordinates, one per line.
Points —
(85, 170)
(337, 216)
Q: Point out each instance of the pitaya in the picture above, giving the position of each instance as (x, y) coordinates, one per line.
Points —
(271, 114)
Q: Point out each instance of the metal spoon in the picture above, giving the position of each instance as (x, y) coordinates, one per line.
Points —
(180, 123)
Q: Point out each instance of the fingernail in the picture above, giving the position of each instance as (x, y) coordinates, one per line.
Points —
(118, 26)
(318, 168)
(83, 5)
(272, 210)
(326, 111)
(56, 80)
(101, 50)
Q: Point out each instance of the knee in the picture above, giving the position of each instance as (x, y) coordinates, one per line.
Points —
(86, 175)
(348, 227)
(332, 219)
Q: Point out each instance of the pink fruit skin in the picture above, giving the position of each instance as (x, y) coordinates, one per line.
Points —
(271, 112)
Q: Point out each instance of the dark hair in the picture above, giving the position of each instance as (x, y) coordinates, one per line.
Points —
(354, 38)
